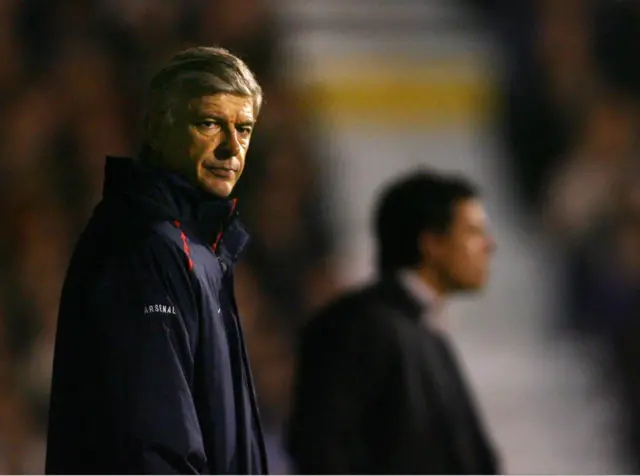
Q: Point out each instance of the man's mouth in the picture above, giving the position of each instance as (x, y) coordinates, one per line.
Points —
(223, 172)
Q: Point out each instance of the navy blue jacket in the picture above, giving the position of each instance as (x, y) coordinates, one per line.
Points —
(150, 371)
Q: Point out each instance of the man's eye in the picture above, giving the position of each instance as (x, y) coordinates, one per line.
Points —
(245, 131)
(209, 125)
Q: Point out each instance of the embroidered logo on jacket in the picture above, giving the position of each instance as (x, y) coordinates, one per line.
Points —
(159, 309)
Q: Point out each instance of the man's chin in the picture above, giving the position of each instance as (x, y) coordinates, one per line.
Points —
(475, 287)
(220, 189)
(469, 287)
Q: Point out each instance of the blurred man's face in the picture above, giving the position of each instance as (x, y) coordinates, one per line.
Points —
(208, 140)
(462, 257)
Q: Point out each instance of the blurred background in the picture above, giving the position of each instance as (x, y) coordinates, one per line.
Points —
(536, 100)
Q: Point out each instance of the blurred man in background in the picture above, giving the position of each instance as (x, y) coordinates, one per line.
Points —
(150, 372)
(379, 388)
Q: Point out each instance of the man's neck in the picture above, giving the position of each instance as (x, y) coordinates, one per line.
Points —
(431, 280)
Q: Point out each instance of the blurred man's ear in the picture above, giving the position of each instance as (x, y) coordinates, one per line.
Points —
(429, 245)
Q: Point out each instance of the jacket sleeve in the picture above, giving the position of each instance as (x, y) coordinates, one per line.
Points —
(343, 361)
(149, 340)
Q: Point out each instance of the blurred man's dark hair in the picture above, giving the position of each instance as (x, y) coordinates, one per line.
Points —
(422, 201)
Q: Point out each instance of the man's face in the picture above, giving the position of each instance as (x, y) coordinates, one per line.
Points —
(208, 141)
(462, 256)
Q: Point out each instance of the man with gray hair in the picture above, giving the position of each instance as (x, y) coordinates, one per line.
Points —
(150, 372)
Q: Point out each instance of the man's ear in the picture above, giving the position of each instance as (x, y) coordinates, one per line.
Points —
(429, 244)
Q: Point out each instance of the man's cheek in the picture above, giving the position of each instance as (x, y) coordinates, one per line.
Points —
(206, 149)
(197, 150)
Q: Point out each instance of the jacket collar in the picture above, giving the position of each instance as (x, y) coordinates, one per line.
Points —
(390, 289)
(150, 193)
(432, 305)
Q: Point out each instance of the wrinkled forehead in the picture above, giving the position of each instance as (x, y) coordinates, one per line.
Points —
(221, 106)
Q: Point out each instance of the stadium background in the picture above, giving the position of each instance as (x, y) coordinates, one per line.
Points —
(522, 97)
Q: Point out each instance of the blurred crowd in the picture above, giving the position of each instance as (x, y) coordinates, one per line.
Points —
(72, 85)
(569, 117)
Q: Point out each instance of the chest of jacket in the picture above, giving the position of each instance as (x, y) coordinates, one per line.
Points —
(222, 384)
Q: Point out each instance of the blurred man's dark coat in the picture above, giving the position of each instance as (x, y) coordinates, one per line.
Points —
(379, 389)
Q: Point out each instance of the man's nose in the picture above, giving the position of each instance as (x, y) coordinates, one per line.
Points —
(229, 145)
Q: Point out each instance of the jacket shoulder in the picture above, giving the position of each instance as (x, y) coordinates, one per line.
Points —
(128, 270)
(360, 301)
(103, 251)
(357, 311)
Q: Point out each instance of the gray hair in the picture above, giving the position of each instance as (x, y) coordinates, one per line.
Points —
(196, 72)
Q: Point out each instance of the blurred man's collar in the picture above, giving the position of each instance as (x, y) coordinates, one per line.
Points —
(424, 294)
